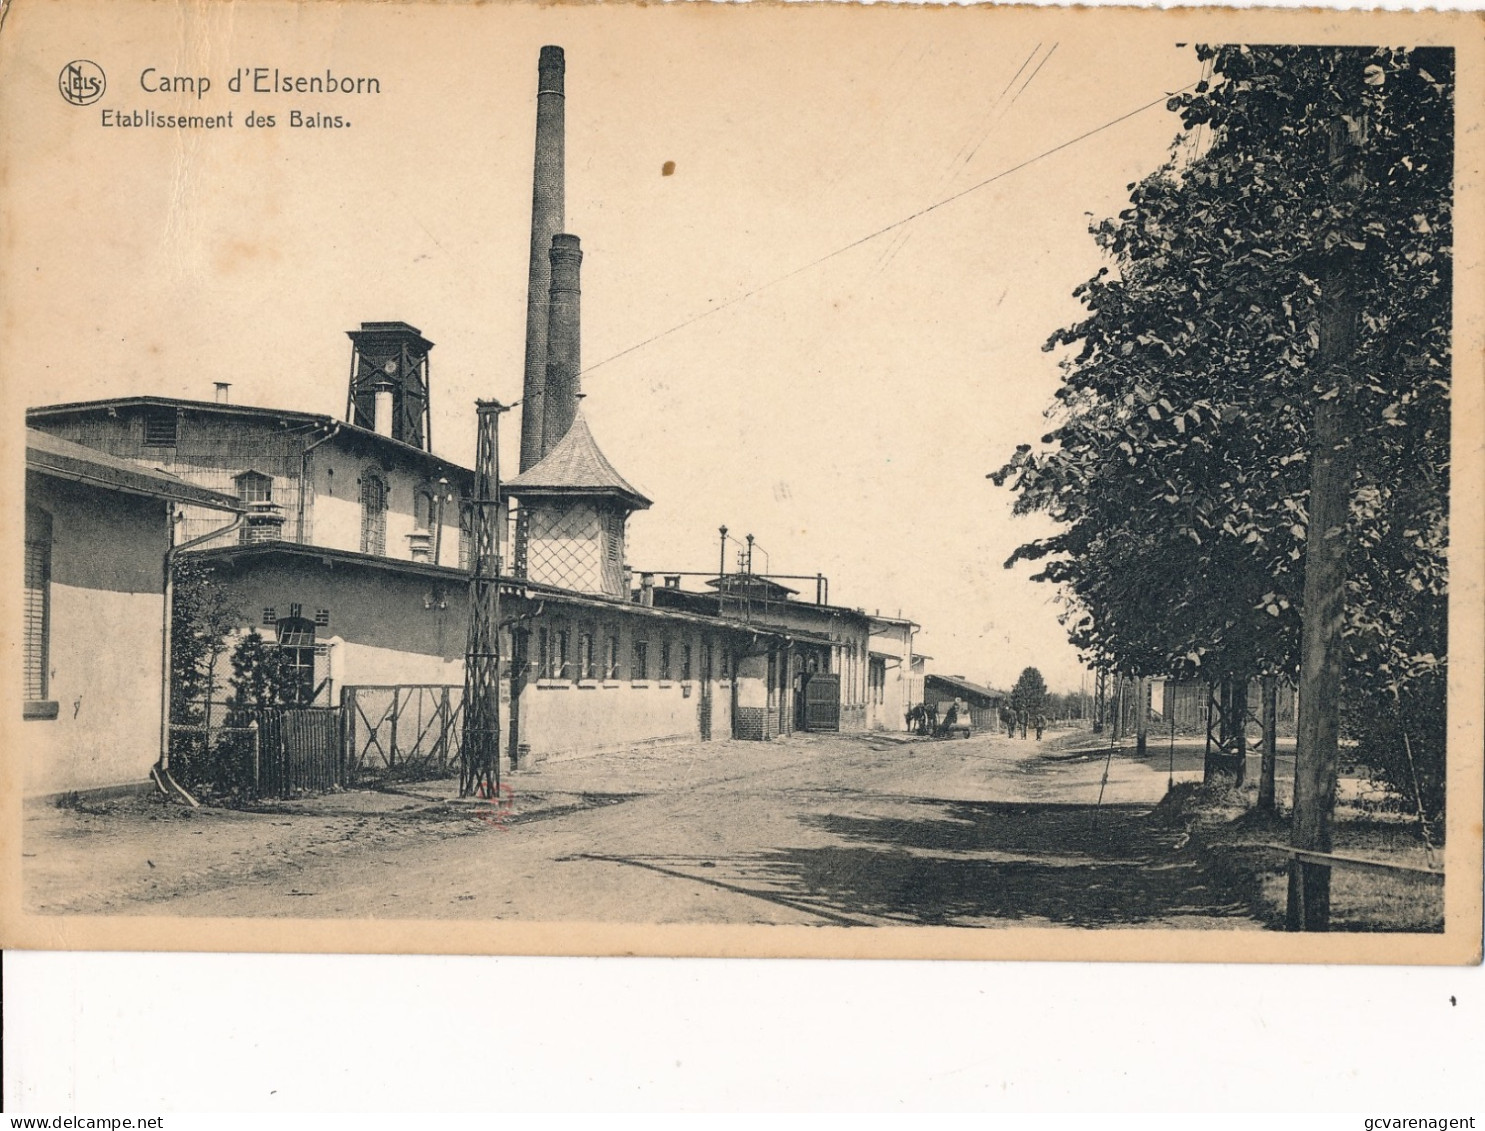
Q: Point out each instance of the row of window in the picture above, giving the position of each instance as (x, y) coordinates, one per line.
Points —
(558, 653)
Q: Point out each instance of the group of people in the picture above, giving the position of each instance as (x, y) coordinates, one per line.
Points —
(1013, 720)
(924, 719)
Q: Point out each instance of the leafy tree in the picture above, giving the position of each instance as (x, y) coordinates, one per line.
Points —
(260, 677)
(202, 617)
(1178, 464)
(1030, 692)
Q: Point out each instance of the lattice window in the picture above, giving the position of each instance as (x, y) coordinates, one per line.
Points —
(564, 547)
(38, 600)
(373, 513)
(686, 663)
(255, 487)
(639, 666)
(563, 665)
(611, 665)
(665, 658)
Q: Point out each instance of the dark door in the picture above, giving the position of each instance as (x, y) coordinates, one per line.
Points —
(704, 701)
(822, 702)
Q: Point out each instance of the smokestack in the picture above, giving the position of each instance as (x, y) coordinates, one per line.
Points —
(564, 340)
(547, 210)
(382, 406)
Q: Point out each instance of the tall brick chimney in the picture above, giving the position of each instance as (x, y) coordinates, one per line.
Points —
(564, 345)
(547, 210)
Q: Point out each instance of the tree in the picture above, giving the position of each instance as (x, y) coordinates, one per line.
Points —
(1178, 467)
(202, 617)
(1030, 693)
(260, 677)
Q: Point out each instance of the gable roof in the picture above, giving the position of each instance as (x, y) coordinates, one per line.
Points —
(52, 455)
(963, 686)
(43, 413)
(575, 467)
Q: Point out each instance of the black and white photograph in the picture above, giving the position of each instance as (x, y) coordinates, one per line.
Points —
(727, 480)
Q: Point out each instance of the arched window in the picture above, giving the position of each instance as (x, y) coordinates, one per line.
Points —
(296, 645)
(373, 513)
(423, 509)
(255, 487)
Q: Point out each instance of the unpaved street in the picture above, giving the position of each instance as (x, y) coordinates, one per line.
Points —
(819, 829)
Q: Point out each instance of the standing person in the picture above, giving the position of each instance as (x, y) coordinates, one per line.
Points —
(1041, 725)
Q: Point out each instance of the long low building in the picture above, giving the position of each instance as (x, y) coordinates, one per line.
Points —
(984, 702)
(581, 674)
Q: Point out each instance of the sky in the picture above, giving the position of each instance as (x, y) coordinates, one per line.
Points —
(841, 398)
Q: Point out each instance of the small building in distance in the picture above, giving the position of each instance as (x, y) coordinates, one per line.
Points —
(92, 644)
(984, 702)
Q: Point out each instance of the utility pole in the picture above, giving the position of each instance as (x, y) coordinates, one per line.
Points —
(1322, 644)
(479, 755)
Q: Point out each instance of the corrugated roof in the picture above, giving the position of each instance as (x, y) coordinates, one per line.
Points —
(575, 467)
(53, 455)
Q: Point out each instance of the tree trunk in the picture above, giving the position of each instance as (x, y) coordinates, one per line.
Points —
(1266, 799)
(1322, 643)
(1141, 714)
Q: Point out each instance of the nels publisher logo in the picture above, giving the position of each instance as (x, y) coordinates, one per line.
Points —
(81, 82)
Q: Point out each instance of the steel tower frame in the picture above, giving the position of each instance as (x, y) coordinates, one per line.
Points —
(479, 752)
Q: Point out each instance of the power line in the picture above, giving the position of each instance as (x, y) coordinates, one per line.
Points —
(889, 227)
(994, 119)
(1029, 81)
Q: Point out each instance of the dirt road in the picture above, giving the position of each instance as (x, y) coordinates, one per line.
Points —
(838, 830)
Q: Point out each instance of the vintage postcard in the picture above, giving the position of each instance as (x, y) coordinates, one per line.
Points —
(777, 480)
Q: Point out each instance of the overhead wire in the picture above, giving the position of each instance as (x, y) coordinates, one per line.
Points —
(908, 219)
(960, 160)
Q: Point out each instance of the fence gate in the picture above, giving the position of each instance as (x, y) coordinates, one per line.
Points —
(822, 702)
(402, 730)
(298, 750)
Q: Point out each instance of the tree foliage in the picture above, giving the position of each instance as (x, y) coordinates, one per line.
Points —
(260, 675)
(1177, 467)
(1030, 692)
(202, 616)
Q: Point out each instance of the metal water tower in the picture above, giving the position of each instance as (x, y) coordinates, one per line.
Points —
(389, 382)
